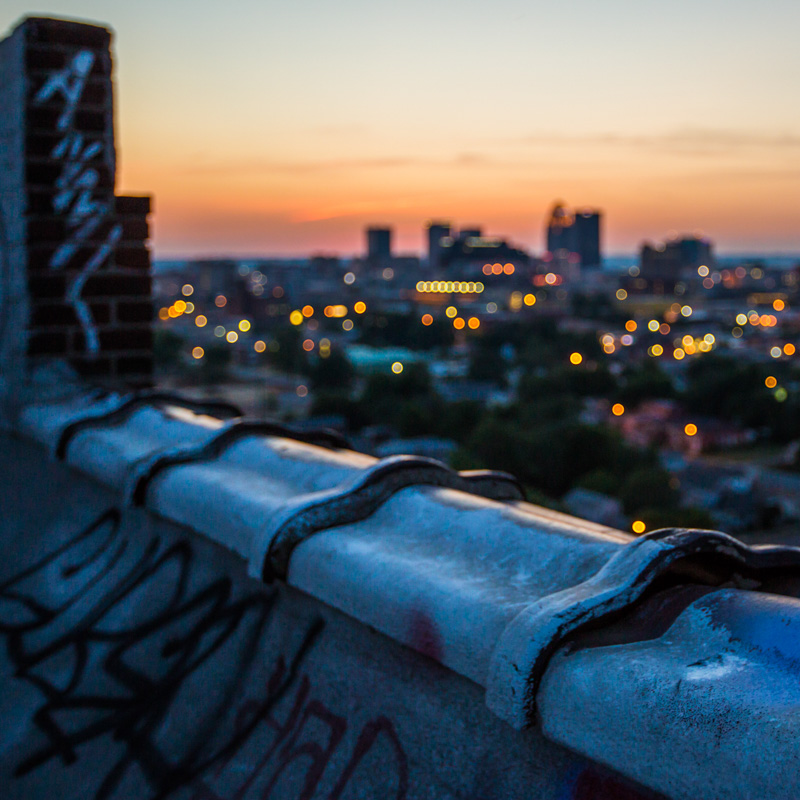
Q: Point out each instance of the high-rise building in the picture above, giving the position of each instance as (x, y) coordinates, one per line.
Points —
(437, 232)
(379, 245)
(587, 238)
(560, 230)
(74, 259)
(574, 237)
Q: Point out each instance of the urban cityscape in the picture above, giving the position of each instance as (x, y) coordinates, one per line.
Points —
(655, 393)
(395, 405)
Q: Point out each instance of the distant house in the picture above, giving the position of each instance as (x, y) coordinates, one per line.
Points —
(596, 507)
(663, 423)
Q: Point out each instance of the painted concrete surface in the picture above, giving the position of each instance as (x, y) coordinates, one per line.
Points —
(139, 660)
(727, 667)
(164, 635)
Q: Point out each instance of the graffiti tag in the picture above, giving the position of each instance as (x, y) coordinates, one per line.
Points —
(74, 200)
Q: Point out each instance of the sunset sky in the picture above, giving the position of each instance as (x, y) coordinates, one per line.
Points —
(272, 128)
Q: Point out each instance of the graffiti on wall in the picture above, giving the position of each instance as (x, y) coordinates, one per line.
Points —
(131, 642)
(75, 200)
(306, 740)
(113, 655)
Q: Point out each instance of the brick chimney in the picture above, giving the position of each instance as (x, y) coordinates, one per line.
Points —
(74, 257)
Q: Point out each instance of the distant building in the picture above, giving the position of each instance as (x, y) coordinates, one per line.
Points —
(664, 264)
(587, 238)
(438, 234)
(560, 230)
(379, 245)
(573, 238)
(470, 253)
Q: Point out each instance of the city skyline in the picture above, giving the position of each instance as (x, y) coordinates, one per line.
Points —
(290, 130)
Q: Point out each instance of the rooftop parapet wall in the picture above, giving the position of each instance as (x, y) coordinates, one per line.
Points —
(570, 628)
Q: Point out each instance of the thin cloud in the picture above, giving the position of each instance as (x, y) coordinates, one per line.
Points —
(469, 159)
(687, 141)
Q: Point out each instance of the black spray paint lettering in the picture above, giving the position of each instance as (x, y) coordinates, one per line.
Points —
(76, 186)
(128, 671)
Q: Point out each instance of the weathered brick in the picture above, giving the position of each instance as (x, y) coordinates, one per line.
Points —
(89, 367)
(136, 257)
(64, 32)
(130, 204)
(117, 285)
(45, 172)
(40, 255)
(135, 312)
(48, 315)
(38, 57)
(126, 339)
(47, 286)
(91, 121)
(134, 365)
(134, 229)
(118, 290)
(47, 343)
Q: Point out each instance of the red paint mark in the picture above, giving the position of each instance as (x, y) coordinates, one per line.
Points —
(366, 740)
(424, 635)
(301, 737)
(592, 784)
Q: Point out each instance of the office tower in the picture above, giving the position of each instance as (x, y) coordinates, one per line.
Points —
(379, 245)
(560, 230)
(74, 260)
(437, 232)
(574, 237)
(587, 237)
